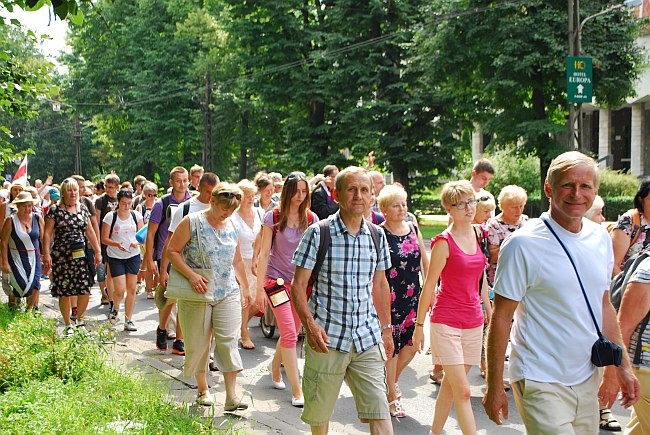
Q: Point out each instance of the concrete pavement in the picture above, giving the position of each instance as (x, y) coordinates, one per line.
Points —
(270, 410)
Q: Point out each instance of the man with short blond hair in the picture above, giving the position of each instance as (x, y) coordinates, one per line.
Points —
(555, 383)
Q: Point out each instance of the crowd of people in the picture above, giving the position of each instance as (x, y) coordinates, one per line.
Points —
(339, 258)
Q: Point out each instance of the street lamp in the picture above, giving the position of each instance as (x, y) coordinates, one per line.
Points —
(575, 47)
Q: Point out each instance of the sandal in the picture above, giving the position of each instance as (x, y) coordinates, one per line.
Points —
(235, 406)
(399, 411)
(247, 343)
(437, 377)
(608, 422)
(398, 391)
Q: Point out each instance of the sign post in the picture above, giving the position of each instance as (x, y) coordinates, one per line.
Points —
(579, 79)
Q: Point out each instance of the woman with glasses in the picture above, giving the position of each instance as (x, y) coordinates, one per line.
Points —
(123, 252)
(456, 317)
(220, 312)
(68, 225)
(149, 191)
(512, 200)
(282, 229)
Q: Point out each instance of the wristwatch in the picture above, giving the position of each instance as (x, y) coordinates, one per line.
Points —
(389, 326)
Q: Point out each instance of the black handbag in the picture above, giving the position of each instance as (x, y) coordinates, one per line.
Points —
(603, 352)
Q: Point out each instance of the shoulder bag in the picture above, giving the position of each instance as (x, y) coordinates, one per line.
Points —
(179, 287)
(603, 352)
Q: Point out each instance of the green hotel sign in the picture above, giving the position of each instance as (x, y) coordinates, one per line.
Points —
(579, 79)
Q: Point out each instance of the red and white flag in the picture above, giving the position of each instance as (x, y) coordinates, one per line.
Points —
(21, 174)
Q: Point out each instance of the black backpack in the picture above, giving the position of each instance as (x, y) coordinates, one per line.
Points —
(617, 288)
(166, 214)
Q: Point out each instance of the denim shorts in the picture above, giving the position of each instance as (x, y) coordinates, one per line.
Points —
(119, 266)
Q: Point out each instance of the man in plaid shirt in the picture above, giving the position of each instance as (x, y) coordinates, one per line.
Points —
(347, 317)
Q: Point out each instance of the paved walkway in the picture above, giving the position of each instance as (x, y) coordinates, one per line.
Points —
(270, 410)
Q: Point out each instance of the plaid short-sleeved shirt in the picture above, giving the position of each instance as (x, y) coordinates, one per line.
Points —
(341, 301)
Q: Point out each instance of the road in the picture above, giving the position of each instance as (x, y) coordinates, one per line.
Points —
(271, 410)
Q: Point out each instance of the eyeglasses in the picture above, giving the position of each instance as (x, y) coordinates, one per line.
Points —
(463, 204)
(230, 195)
(483, 198)
(293, 175)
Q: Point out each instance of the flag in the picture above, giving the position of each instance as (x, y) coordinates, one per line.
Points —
(21, 174)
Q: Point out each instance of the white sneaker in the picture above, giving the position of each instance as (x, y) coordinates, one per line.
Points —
(69, 331)
(129, 325)
(204, 398)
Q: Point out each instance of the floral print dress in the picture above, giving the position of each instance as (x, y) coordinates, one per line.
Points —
(625, 224)
(404, 281)
(70, 276)
(497, 233)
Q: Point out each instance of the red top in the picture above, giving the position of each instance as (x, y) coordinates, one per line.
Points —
(458, 301)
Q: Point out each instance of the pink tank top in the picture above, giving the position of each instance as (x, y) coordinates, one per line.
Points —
(458, 302)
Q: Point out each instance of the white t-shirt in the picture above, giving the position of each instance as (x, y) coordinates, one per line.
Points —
(246, 234)
(553, 332)
(177, 216)
(123, 232)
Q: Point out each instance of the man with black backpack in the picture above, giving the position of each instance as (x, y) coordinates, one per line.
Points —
(160, 219)
(347, 315)
(106, 203)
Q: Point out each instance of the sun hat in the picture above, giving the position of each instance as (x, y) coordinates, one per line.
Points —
(23, 197)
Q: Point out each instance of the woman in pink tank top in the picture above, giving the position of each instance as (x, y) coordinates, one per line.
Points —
(456, 317)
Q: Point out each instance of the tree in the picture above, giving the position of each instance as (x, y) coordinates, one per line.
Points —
(504, 65)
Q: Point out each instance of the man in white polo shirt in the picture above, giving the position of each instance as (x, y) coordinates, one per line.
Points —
(554, 382)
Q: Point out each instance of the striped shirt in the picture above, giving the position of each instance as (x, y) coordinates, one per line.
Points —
(341, 301)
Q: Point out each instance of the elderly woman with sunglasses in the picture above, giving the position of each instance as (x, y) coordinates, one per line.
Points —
(220, 313)
(282, 230)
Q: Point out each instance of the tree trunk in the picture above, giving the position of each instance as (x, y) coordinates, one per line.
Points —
(542, 143)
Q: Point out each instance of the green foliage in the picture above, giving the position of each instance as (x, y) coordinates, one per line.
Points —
(617, 183)
(616, 206)
(31, 350)
(513, 168)
(52, 384)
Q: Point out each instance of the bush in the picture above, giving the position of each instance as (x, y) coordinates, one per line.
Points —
(616, 206)
(617, 184)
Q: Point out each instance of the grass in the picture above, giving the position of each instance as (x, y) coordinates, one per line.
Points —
(51, 384)
(431, 228)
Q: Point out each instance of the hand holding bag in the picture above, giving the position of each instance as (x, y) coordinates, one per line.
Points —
(603, 352)
(179, 287)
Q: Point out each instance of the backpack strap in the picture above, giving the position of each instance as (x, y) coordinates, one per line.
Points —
(374, 233)
(110, 232)
(186, 208)
(636, 226)
(114, 220)
(165, 205)
(323, 246)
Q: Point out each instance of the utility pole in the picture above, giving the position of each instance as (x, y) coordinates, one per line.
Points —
(77, 140)
(207, 125)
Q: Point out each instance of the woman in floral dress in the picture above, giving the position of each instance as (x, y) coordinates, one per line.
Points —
(67, 223)
(408, 257)
(628, 240)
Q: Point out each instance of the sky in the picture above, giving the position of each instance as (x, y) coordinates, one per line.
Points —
(43, 21)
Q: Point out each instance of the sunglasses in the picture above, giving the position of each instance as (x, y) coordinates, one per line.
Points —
(294, 175)
(483, 198)
(230, 195)
(151, 195)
